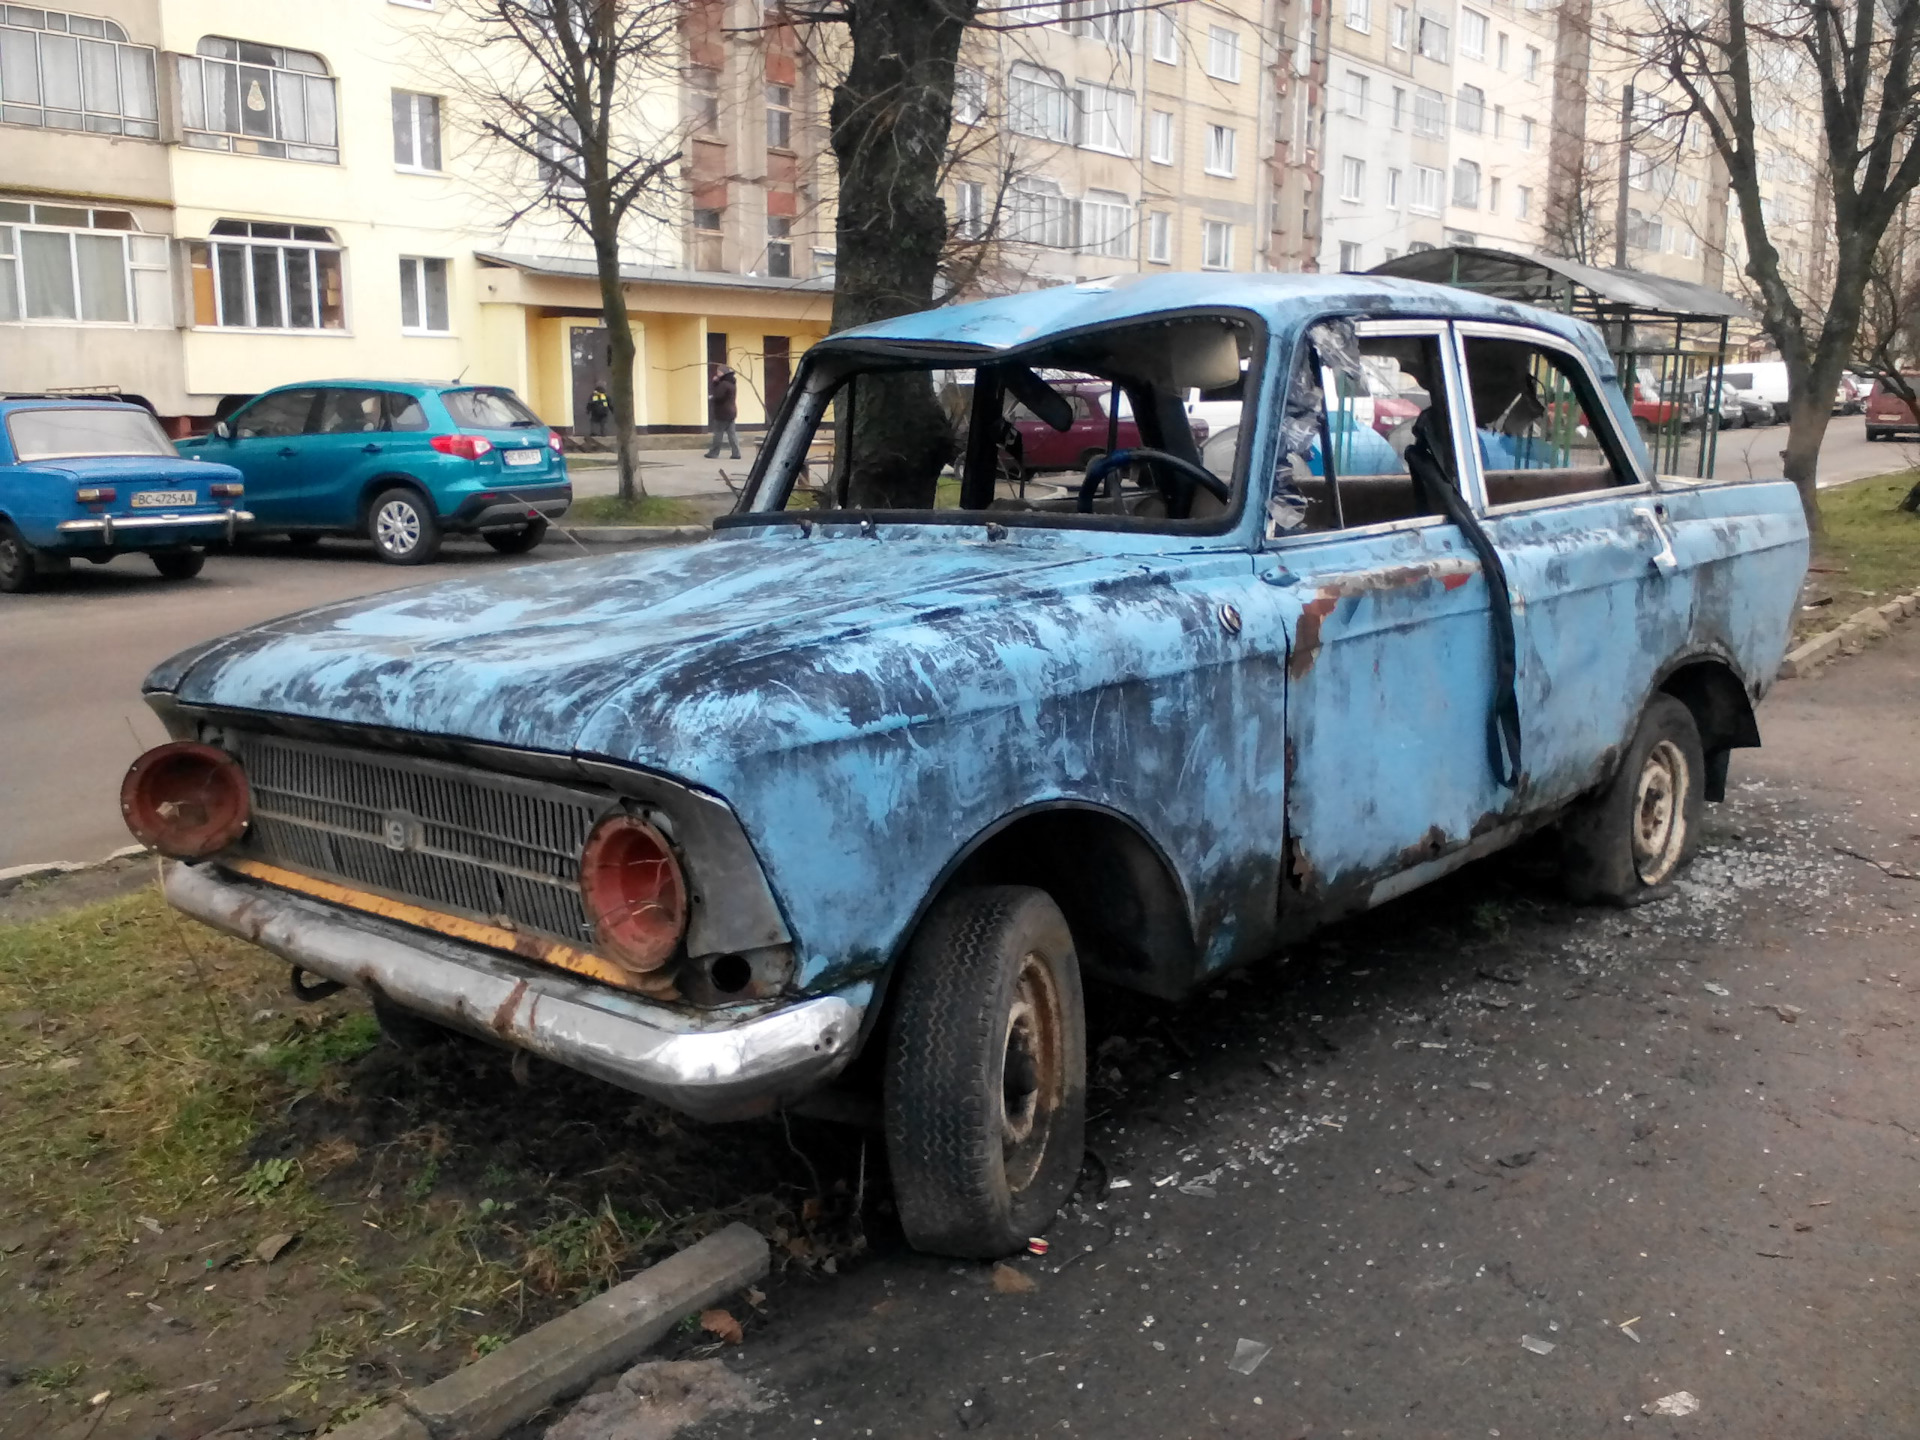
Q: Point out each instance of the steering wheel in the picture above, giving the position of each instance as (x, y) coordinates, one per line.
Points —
(1105, 465)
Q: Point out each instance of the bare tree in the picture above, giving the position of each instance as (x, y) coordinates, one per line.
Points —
(1739, 65)
(566, 85)
(1578, 224)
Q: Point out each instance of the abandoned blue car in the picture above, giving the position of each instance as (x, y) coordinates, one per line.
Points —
(917, 742)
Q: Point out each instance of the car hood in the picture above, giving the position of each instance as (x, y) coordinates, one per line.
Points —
(571, 655)
(126, 469)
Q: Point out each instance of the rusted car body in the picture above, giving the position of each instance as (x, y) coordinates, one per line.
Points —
(1195, 725)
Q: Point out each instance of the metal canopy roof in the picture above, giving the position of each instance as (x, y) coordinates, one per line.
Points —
(1566, 285)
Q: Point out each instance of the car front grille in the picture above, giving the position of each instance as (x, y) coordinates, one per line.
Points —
(451, 838)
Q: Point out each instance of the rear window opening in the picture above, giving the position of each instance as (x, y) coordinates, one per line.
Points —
(486, 408)
(1019, 437)
(77, 433)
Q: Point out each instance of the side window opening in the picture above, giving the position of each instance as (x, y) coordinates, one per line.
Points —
(1541, 431)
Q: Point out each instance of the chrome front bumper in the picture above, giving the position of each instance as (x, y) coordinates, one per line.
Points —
(709, 1068)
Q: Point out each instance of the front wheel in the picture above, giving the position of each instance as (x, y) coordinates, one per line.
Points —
(18, 569)
(1644, 824)
(1873, 434)
(986, 1073)
(179, 564)
(517, 541)
(403, 527)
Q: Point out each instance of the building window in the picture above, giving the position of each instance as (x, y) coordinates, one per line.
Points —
(780, 117)
(1429, 113)
(969, 210)
(559, 164)
(1402, 22)
(1523, 202)
(74, 72)
(1216, 245)
(423, 296)
(1532, 67)
(1223, 53)
(780, 247)
(1428, 184)
(1360, 15)
(1104, 20)
(1349, 255)
(1646, 231)
(1639, 167)
(1356, 97)
(1106, 224)
(703, 98)
(87, 266)
(1473, 34)
(258, 276)
(1470, 109)
(1399, 107)
(1462, 237)
(1526, 132)
(1393, 190)
(1166, 38)
(1160, 138)
(1160, 237)
(1466, 185)
(1353, 177)
(1499, 121)
(416, 131)
(1037, 103)
(1038, 214)
(1493, 196)
(1500, 52)
(1432, 42)
(969, 95)
(258, 100)
(1106, 119)
(1222, 142)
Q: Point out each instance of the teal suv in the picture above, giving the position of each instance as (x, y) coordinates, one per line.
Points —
(402, 463)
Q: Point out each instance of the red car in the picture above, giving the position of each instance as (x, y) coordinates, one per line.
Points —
(1044, 448)
(1887, 413)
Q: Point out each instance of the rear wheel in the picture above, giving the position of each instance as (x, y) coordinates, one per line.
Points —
(1644, 824)
(403, 527)
(179, 564)
(18, 572)
(517, 541)
(986, 1073)
(1875, 433)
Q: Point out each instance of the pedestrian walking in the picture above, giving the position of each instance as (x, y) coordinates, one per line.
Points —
(599, 411)
(722, 388)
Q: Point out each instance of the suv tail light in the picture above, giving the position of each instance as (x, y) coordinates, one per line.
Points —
(553, 441)
(467, 447)
(186, 800)
(634, 892)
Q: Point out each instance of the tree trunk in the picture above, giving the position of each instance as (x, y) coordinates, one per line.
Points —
(620, 355)
(890, 120)
(1806, 428)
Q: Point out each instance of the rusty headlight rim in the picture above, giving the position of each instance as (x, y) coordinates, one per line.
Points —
(635, 892)
(186, 800)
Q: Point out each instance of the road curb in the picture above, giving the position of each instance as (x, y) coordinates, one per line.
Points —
(609, 1332)
(629, 534)
(1850, 636)
(14, 876)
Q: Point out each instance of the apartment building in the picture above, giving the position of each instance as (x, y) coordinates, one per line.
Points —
(200, 199)
(1436, 127)
(1093, 139)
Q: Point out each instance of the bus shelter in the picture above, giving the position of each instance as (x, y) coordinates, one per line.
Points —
(1668, 337)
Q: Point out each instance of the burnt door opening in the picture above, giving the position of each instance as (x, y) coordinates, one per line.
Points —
(590, 369)
(777, 367)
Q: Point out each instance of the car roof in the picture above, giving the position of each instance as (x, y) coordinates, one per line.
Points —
(349, 382)
(1283, 301)
(10, 403)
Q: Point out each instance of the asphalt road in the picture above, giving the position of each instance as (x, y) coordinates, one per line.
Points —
(72, 656)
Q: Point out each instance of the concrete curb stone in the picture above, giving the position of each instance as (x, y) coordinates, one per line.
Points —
(609, 1332)
(14, 876)
(1850, 636)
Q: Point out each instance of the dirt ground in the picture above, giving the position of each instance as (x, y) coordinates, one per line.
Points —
(1674, 1149)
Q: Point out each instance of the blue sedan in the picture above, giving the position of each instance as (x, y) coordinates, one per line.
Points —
(92, 479)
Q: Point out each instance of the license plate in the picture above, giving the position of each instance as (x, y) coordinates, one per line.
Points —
(164, 499)
(521, 457)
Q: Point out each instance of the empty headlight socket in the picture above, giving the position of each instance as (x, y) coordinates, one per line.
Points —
(735, 977)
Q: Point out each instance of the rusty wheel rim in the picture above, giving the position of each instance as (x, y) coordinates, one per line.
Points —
(1031, 1078)
(1659, 813)
(14, 562)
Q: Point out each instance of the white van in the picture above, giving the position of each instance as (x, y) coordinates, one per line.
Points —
(1763, 380)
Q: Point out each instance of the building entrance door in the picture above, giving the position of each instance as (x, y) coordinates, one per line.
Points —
(590, 368)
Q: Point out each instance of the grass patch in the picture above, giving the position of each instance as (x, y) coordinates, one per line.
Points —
(646, 510)
(1868, 550)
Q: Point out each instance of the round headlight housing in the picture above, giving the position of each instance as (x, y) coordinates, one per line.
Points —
(186, 800)
(635, 895)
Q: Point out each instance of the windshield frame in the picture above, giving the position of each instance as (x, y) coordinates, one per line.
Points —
(827, 365)
(21, 457)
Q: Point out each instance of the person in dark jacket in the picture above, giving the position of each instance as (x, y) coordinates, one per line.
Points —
(599, 410)
(722, 389)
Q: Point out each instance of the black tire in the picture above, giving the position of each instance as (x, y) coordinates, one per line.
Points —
(403, 527)
(407, 1031)
(1873, 434)
(302, 539)
(178, 564)
(1639, 829)
(517, 541)
(19, 572)
(986, 1089)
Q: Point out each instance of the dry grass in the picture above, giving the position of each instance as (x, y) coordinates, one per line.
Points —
(1868, 551)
